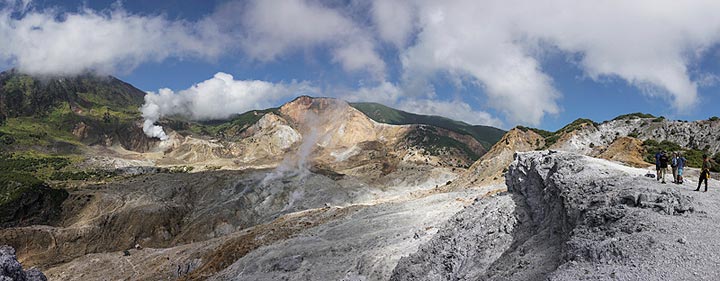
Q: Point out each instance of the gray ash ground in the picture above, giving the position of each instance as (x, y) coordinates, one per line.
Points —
(570, 217)
(565, 217)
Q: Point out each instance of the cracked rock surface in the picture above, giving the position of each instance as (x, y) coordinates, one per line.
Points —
(11, 270)
(572, 217)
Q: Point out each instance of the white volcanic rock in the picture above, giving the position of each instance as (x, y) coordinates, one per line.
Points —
(696, 134)
(572, 217)
(491, 166)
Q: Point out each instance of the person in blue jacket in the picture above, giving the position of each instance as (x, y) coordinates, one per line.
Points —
(680, 168)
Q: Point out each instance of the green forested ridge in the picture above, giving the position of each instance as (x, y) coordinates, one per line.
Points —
(486, 135)
(41, 112)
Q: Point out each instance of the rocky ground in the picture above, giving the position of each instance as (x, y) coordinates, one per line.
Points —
(11, 270)
(564, 217)
(195, 225)
(571, 217)
(329, 243)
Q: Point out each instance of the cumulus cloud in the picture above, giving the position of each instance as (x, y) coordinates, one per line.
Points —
(384, 93)
(394, 20)
(643, 42)
(459, 44)
(54, 42)
(276, 27)
(497, 44)
(216, 98)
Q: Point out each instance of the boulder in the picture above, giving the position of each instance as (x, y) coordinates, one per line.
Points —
(10, 268)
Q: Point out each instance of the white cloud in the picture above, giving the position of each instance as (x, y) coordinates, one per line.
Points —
(216, 98)
(469, 39)
(394, 20)
(497, 45)
(642, 42)
(50, 42)
(384, 93)
(650, 44)
(277, 27)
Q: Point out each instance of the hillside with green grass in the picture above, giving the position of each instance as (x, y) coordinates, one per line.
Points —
(59, 114)
(486, 135)
(25, 95)
(226, 129)
(44, 124)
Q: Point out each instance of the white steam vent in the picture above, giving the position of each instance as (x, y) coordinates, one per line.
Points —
(216, 98)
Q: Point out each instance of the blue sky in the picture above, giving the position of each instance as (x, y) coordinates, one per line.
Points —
(501, 63)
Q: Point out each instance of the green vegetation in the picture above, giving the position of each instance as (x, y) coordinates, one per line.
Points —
(574, 125)
(82, 175)
(227, 128)
(436, 144)
(31, 162)
(634, 116)
(24, 95)
(714, 118)
(212, 167)
(38, 165)
(659, 119)
(486, 135)
(15, 184)
(552, 137)
(179, 169)
(42, 114)
(540, 132)
(693, 156)
(33, 131)
(21, 176)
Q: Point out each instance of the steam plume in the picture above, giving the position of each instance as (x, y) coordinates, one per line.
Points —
(317, 127)
(216, 98)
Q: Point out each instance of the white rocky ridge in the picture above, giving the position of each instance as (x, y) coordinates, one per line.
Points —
(696, 134)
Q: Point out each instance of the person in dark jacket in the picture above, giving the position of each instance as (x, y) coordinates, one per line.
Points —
(657, 164)
(704, 173)
(673, 165)
(663, 166)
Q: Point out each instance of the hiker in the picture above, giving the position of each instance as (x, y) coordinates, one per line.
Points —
(680, 168)
(704, 173)
(657, 164)
(673, 166)
(663, 165)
